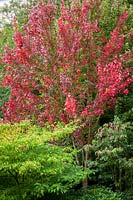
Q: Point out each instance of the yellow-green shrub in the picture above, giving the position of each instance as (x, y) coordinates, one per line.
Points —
(32, 164)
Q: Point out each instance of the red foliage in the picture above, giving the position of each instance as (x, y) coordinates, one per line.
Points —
(60, 69)
(70, 105)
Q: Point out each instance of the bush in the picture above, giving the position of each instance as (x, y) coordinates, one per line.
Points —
(128, 195)
(112, 147)
(93, 193)
(32, 164)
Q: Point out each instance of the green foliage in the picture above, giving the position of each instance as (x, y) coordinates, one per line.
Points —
(128, 195)
(6, 37)
(124, 107)
(110, 10)
(4, 94)
(92, 193)
(113, 154)
(32, 163)
(16, 9)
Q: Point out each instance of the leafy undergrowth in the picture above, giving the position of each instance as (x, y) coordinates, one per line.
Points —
(92, 193)
(32, 164)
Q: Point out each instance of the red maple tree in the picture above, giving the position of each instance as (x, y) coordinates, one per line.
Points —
(63, 69)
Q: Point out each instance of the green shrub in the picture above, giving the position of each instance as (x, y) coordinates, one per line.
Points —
(92, 193)
(113, 152)
(32, 164)
(128, 195)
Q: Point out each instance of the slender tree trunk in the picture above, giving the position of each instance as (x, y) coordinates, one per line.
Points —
(85, 153)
